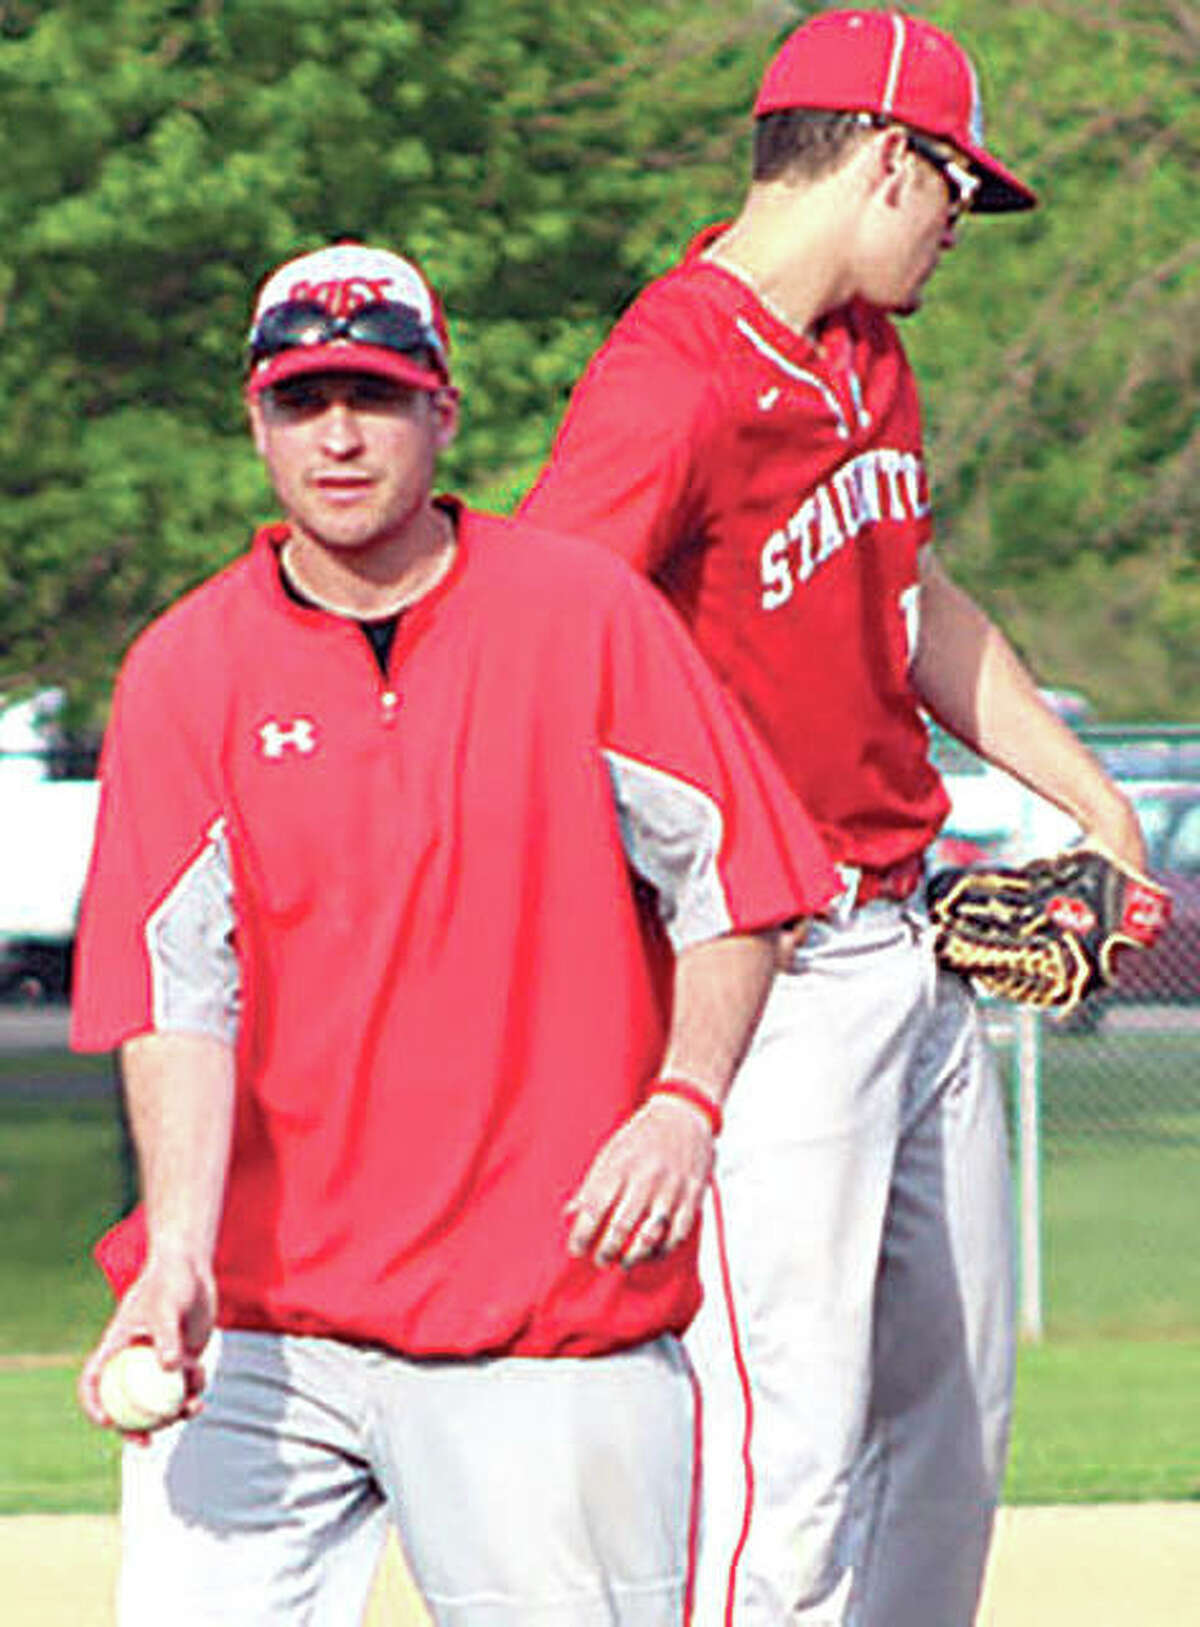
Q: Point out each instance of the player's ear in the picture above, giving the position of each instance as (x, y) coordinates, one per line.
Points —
(444, 406)
(888, 161)
(254, 413)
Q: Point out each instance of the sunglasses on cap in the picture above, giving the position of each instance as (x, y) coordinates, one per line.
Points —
(299, 324)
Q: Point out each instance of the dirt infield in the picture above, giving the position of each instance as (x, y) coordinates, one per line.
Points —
(1107, 1566)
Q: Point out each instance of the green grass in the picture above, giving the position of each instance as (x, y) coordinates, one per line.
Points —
(29, 1068)
(1107, 1409)
(60, 1185)
(1113, 1421)
(1122, 1087)
(1120, 1252)
(1120, 1152)
(52, 1461)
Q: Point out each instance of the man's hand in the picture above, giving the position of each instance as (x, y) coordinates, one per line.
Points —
(641, 1196)
(1114, 827)
(179, 1088)
(172, 1306)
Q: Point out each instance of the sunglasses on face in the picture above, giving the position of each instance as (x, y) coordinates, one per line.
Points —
(299, 323)
(961, 184)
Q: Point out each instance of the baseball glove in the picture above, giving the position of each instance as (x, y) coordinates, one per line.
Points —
(1045, 933)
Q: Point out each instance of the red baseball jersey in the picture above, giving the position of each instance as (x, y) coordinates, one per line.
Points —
(418, 906)
(776, 490)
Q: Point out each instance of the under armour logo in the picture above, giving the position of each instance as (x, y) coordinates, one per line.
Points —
(768, 398)
(300, 735)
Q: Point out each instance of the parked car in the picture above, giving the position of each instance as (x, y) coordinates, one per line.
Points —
(33, 970)
(1147, 753)
(993, 818)
(48, 802)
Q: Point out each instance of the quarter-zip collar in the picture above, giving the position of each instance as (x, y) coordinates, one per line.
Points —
(270, 538)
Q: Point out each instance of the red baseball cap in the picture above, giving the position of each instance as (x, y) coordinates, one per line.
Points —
(407, 341)
(899, 67)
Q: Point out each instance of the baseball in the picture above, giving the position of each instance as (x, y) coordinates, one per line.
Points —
(137, 1392)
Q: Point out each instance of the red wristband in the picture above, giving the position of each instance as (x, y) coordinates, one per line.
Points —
(687, 1092)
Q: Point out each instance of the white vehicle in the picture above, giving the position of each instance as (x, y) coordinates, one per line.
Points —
(992, 816)
(46, 830)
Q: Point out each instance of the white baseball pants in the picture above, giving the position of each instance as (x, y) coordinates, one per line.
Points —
(855, 1349)
(557, 1492)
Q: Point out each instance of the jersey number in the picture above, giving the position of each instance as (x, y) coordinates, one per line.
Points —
(910, 609)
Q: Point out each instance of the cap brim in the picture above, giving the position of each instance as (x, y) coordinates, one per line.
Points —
(344, 357)
(1000, 193)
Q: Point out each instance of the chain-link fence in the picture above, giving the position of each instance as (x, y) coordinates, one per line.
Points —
(1106, 1106)
(48, 802)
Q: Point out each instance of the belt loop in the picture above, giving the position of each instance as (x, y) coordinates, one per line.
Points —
(843, 906)
(895, 883)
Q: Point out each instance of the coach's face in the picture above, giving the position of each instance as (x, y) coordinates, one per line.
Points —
(351, 455)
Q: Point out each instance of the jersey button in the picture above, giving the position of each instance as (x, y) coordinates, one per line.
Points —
(390, 702)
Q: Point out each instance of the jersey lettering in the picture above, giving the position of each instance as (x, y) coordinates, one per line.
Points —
(857, 490)
(832, 535)
(880, 484)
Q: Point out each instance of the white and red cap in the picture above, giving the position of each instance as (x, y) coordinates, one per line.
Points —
(344, 278)
(901, 68)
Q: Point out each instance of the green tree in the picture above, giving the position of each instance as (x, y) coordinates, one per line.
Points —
(163, 155)
(543, 161)
(1062, 359)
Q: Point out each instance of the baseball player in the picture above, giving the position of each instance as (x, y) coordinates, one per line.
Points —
(431, 909)
(749, 435)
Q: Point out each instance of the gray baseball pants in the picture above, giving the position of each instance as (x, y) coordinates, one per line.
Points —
(855, 1349)
(557, 1492)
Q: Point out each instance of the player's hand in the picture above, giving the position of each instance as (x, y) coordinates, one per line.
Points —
(642, 1195)
(1118, 832)
(171, 1305)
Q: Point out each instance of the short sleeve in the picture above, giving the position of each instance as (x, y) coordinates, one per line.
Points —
(155, 950)
(706, 817)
